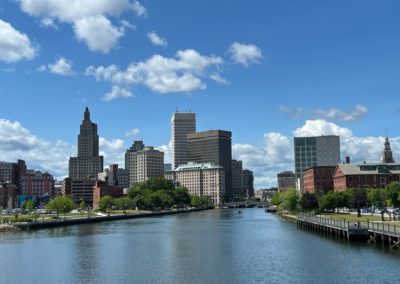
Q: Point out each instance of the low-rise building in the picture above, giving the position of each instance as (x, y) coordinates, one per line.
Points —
(102, 188)
(200, 179)
(318, 179)
(286, 180)
(36, 183)
(365, 175)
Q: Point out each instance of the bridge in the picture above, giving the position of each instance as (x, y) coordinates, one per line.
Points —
(245, 204)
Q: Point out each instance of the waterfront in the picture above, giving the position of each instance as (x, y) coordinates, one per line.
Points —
(214, 246)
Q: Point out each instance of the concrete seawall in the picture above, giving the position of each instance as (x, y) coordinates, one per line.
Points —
(96, 219)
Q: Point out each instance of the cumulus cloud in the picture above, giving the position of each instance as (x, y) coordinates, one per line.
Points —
(132, 132)
(167, 150)
(217, 78)
(275, 153)
(61, 66)
(117, 92)
(113, 151)
(156, 39)
(245, 54)
(14, 45)
(89, 18)
(183, 73)
(335, 113)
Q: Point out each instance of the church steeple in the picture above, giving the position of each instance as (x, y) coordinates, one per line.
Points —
(387, 155)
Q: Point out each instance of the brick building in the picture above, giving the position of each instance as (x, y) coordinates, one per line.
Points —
(101, 188)
(318, 179)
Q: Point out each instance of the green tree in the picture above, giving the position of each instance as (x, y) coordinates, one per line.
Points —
(29, 205)
(392, 191)
(328, 202)
(358, 199)
(309, 201)
(124, 203)
(290, 199)
(160, 199)
(61, 204)
(376, 197)
(106, 203)
(181, 196)
(200, 201)
(276, 199)
(82, 205)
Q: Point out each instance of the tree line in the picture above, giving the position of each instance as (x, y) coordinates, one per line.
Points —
(357, 198)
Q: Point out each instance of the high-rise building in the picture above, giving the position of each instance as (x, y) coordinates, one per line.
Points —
(88, 163)
(286, 180)
(387, 155)
(182, 123)
(213, 146)
(143, 162)
(237, 180)
(200, 179)
(248, 183)
(12, 172)
(315, 151)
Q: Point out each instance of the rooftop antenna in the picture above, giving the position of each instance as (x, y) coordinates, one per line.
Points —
(177, 109)
(386, 132)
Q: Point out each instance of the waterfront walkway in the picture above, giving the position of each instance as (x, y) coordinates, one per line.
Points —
(386, 232)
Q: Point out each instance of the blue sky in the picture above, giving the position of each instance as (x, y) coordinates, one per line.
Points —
(265, 70)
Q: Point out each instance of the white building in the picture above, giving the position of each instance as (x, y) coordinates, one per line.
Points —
(182, 123)
(200, 179)
(144, 163)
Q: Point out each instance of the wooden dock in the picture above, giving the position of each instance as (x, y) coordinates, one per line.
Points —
(372, 231)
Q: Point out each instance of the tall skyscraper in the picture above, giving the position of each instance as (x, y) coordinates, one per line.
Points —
(315, 151)
(143, 162)
(387, 155)
(213, 146)
(88, 163)
(182, 123)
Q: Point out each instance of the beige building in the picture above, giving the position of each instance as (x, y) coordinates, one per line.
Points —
(182, 123)
(200, 179)
(143, 163)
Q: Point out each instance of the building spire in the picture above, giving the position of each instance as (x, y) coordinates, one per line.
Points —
(86, 115)
(387, 155)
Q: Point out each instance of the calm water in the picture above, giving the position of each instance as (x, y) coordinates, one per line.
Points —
(215, 246)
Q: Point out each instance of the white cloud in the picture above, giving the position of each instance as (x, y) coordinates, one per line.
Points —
(48, 23)
(275, 153)
(156, 39)
(338, 114)
(89, 18)
(14, 45)
(183, 73)
(167, 152)
(62, 67)
(117, 92)
(245, 54)
(217, 78)
(98, 33)
(132, 132)
(126, 24)
(295, 113)
(113, 151)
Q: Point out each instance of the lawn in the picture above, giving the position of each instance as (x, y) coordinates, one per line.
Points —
(354, 218)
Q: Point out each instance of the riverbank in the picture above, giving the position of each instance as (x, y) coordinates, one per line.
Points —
(8, 227)
(95, 219)
(288, 217)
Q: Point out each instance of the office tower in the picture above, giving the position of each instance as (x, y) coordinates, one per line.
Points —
(88, 163)
(200, 179)
(315, 151)
(387, 155)
(182, 123)
(237, 180)
(143, 162)
(286, 180)
(213, 146)
(248, 183)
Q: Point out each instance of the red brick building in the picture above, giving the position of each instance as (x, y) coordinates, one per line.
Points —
(364, 175)
(318, 179)
(101, 188)
(37, 183)
(8, 195)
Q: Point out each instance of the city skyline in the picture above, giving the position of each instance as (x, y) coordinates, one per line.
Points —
(267, 72)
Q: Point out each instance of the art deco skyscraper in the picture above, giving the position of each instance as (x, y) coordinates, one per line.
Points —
(182, 123)
(387, 155)
(88, 163)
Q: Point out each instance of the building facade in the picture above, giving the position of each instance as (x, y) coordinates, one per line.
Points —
(248, 183)
(182, 123)
(315, 151)
(286, 180)
(102, 188)
(201, 179)
(8, 195)
(36, 183)
(143, 162)
(12, 173)
(79, 189)
(88, 163)
(318, 179)
(237, 180)
(213, 146)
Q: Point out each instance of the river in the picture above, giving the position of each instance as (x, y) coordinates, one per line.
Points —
(213, 246)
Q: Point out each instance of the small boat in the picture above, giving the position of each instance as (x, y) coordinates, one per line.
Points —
(239, 211)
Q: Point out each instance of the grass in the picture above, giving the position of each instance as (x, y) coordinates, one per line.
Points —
(354, 218)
